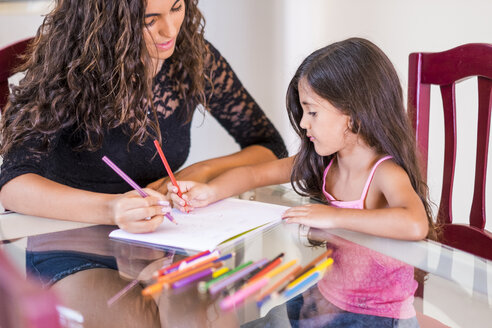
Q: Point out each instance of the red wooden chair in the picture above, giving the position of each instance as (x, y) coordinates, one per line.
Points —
(445, 69)
(9, 60)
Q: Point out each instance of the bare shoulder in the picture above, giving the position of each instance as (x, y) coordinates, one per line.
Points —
(389, 175)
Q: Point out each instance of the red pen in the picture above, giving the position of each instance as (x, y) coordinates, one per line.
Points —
(168, 168)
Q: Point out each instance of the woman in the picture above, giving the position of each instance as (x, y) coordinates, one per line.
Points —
(108, 78)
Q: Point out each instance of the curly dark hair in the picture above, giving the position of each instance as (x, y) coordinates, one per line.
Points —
(357, 78)
(87, 70)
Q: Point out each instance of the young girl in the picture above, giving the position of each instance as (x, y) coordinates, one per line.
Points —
(357, 152)
(357, 149)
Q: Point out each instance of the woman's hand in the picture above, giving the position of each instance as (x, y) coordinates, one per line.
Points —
(136, 214)
(195, 194)
(312, 215)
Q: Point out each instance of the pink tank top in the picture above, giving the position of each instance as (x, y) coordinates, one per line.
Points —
(364, 281)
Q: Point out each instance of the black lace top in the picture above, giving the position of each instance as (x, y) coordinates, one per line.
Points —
(229, 103)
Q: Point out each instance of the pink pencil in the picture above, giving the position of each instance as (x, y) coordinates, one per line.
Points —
(132, 183)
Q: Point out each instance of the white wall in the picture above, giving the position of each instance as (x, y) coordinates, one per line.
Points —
(396, 26)
(265, 41)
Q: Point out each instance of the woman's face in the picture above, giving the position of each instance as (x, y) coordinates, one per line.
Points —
(163, 19)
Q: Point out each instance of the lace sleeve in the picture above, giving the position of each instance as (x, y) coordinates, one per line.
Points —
(21, 160)
(236, 110)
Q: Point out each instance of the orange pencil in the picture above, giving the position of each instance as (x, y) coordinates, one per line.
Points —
(175, 265)
(192, 266)
(211, 265)
(285, 280)
(311, 264)
(168, 168)
(265, 270)
(308, 267)
(166, 281)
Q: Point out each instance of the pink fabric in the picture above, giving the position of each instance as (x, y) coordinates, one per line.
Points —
(364, 281)
(359, 203)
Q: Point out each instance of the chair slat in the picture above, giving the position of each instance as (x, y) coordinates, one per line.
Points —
(446, 69)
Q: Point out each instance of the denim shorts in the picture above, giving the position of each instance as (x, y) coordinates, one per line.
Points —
(49, 267)
(289, 315)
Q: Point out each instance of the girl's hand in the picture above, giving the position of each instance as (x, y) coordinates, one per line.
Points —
(312, 215)
(136, 214)
(195, 194)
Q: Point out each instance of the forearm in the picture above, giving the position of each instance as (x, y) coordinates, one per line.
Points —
(207, 170)
(241, 179)
(397, 223)
(34, 195)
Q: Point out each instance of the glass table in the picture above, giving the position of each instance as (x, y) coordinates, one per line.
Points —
(86, 269)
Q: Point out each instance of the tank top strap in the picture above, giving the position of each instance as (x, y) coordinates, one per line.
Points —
(369, 178)
(324, 180)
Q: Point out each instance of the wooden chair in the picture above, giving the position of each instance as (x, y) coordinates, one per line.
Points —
(445, 69)
(9, 60)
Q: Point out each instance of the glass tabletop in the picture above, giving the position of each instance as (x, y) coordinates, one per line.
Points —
(372, 282)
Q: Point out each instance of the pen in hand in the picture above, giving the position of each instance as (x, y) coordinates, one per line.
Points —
(132, 183)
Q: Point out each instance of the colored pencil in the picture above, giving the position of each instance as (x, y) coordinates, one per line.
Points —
(320, 267)
(306, 268)
(166, 281)
(242, 294)
(215, 288)
(283, 281)
(132, 183)
(254, 286)
(175, 265)
(183, 271)
(194, 277)
(204, 286)
(305, 282)
(168, 168)
(274, 263)
(316, 260)
(220, 272)
(214, 256)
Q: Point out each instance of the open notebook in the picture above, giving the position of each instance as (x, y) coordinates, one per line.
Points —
(205, 228)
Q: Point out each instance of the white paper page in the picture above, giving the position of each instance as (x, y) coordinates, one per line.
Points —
(207, 227)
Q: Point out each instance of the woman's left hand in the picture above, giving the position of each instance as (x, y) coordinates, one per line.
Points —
(312, 215)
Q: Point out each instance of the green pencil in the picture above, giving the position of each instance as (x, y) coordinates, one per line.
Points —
(203, 286)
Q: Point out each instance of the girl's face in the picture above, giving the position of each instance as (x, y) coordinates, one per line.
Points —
(163, 19)
(326, 127)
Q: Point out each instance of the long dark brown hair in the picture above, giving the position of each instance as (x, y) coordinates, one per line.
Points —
(357, 78)
(87, 70)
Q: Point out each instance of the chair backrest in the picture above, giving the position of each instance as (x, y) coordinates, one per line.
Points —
(445, 69)
(9, 60)
(22, 302)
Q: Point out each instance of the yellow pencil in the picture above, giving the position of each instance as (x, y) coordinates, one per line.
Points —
(320, 267)
(220, 272)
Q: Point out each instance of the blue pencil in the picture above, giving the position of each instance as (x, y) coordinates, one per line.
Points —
(309, 279)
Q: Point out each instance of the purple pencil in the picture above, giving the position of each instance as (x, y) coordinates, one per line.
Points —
(221, 284)
(193, 277)
(132, 183)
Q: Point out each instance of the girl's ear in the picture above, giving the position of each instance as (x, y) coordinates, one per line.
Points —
(353, 126)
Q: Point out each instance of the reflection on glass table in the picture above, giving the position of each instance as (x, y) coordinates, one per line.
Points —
(370, 283)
